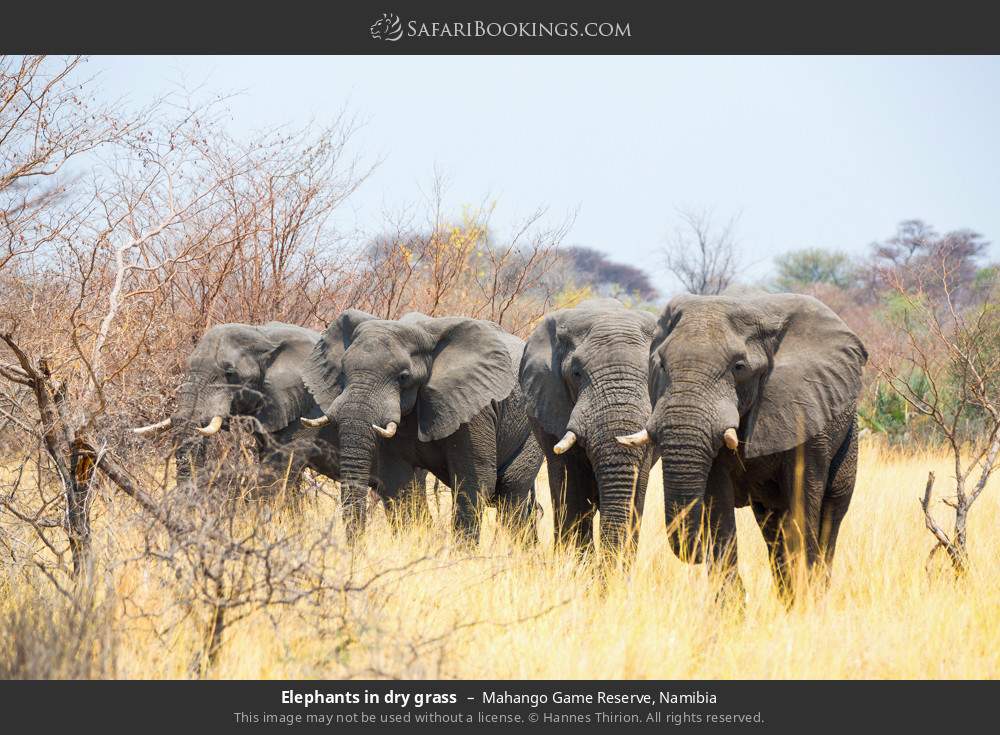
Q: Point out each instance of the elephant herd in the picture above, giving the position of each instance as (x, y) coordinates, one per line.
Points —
(745, 399)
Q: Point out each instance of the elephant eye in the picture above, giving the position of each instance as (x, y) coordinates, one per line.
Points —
(740, 367)
(404, 377)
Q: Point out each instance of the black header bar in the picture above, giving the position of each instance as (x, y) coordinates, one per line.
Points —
(440, 27)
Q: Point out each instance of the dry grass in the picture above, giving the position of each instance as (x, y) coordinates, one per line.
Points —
(511, 613)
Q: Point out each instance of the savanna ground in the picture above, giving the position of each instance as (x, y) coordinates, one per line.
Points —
(420, 608)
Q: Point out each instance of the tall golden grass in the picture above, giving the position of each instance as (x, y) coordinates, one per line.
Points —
(511, 612)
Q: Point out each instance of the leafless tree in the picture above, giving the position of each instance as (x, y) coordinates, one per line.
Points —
(49, 120)
(701, 254)
(946, 366)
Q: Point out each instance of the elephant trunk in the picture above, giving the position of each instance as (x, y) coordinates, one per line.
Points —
(688, 450)
(620, 477)
(201, 410)
(189, 448)
(357, 416)
(612, 408)
(357, 454)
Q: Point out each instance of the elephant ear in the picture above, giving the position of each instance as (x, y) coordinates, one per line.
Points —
(323, 369)
(285, 397)
(546, 397)
(470, 367)
(815, 378)
(664, 326)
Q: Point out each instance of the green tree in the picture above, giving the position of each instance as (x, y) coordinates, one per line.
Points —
(801, 268)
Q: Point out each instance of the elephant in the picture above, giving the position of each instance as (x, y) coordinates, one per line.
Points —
(585, 384)
(256, 371)
(438, 393)
(754, 403)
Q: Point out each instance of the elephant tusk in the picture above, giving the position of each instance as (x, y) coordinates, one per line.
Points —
(315, 423)
(638, 439)
(388, 432)
(568, 440)
(213, 427)
(158, 426)
(732, 441)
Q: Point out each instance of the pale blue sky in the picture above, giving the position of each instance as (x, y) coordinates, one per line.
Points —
(813, 151)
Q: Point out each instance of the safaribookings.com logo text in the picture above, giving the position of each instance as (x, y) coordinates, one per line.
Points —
(390, 28)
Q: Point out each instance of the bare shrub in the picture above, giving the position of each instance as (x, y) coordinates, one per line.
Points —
(46, 637)
(946, 367)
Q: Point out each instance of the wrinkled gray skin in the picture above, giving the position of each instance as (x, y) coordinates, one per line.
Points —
(785, 372)
(256, 371)
(450, 386)
(585, 370)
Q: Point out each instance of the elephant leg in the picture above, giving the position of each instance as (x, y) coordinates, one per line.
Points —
(416, 493)
(770, 523)
(574, 490)
(516, 511)
(839, 489)
(403, 492)
(803, 481)
(273, 460)
(516, 505)
(472, 465)
(722, 556)
(280, 472)
(833, 512)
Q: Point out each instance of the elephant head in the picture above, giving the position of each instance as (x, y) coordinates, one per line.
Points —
(759, 374)
(584, 377)
(239, 370)
(367, 374)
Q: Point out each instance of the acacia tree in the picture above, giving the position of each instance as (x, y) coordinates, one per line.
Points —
(946, 366)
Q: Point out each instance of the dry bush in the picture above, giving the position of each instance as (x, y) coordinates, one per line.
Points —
(946, 367)
(45, 636)
(189, 569)
(445, 267)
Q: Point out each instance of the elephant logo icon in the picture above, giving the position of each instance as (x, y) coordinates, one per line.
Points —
(387, 28)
